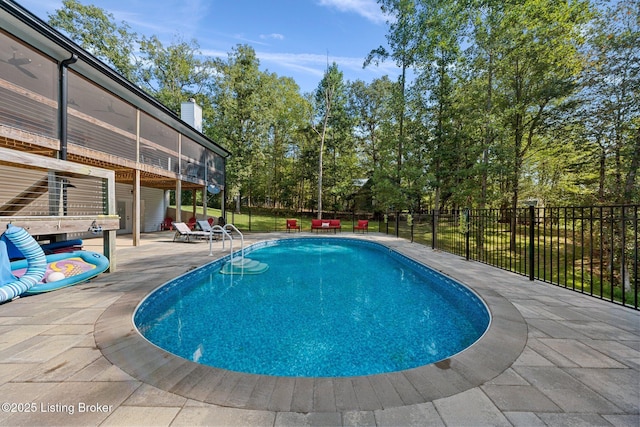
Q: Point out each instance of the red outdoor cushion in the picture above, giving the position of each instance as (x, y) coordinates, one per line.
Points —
(334, 223)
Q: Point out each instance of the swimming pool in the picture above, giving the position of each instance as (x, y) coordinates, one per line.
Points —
(325, 307)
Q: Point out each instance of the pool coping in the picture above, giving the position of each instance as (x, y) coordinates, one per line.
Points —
(121, 344)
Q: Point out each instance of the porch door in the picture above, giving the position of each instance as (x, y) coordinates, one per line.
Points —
(125, 218)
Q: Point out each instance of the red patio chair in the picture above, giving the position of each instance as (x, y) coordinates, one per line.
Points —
(192, 222)
(292, 224)
(166, 224)
(363, 225)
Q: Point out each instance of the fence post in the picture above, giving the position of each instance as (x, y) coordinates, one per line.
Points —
(467, 227)
(623, 260)
(397, 224)
(411, 233)
(434, 223)
(532, 236)
(410, 224)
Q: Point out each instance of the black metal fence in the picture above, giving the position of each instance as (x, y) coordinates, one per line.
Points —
(592, 250)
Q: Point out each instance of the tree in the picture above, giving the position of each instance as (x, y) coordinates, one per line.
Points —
(436, 57)
(404, 38)
(483, 17)
(285, 111)
(96, 32)
(174, 73)
(328, 96)
(537, 67)
(370, 105)
(238, 122)
(611, 107)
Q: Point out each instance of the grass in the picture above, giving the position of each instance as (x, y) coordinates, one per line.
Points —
(557, 259)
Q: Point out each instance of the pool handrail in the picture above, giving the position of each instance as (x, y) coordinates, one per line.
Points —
(224, 233)
(234, 228)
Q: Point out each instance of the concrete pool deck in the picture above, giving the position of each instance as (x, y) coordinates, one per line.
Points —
(551, 357)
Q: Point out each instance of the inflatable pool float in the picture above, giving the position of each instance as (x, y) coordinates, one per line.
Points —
(35, 263)
(16, 254)
(65, 269)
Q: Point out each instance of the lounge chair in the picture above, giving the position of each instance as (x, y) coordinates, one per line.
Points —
(184, 232)
(203, 225)
(363, 225)
(292, 224)
(207, 228)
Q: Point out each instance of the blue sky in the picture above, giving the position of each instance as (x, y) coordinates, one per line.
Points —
(292, 38)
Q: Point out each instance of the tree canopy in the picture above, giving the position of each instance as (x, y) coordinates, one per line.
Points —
(507, 102)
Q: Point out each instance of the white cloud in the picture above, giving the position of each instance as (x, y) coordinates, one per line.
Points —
(214, 53)
(308, 68)
(184, 19)
(274, 36)
(368, 9)
(241, 37)
(316, 64)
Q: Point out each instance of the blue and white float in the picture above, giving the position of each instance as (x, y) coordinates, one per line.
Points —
(11, 286)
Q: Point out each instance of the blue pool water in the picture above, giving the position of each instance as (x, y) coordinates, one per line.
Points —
(324, 308)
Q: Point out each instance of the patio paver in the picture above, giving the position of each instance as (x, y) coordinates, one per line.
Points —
(551, 357)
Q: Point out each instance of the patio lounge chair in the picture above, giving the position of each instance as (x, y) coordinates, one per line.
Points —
(363, 225)
(292, 224)
(207, 228)
(184, 232)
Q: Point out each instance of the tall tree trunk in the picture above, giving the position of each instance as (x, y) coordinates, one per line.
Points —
(320, 175)
(325, 123)
(517, 165)
(401, 125)
(488, 139)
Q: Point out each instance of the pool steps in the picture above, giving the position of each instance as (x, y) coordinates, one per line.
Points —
(240, 265)
(244, 266)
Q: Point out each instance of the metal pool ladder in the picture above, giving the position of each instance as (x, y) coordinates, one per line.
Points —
(225, 232)
(243, 265)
